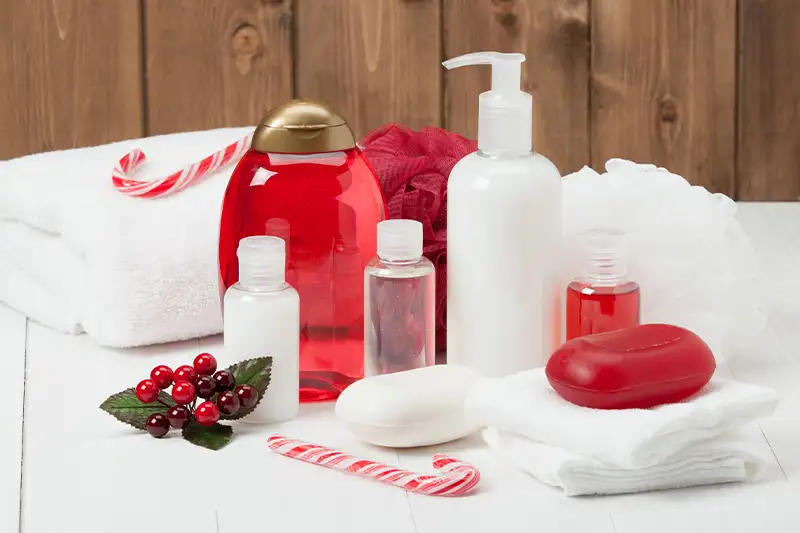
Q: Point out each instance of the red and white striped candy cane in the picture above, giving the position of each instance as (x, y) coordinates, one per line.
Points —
(456, 477)
(176, 181)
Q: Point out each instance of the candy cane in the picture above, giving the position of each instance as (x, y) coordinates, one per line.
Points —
(121, 176)
(457, 478)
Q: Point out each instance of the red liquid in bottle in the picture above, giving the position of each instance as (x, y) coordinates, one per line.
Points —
(598, 309)
(326, 207)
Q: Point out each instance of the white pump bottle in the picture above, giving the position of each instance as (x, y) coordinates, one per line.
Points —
(503, 233)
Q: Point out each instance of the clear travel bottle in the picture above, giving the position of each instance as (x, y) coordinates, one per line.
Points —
(399, 302)
(262, 318)
(602, 299)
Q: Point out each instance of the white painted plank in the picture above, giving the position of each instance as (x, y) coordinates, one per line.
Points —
(774, 229)
(507, 500)
(287, 495)
(84, 471)
(735, 508)
(12, 353)
(770, 503)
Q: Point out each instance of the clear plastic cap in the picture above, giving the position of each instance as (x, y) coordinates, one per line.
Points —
(505, 113)
(399, 240)
(262, 262)
(605, 260)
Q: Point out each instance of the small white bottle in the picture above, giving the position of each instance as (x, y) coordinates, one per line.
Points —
(262, 318)
(399, 302)
(503, 235)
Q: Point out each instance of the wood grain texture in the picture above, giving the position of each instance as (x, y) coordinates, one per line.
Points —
(554, 36)
(663, 86)
(373, 61)
(215, 63)
(70, 72)
(768, 157)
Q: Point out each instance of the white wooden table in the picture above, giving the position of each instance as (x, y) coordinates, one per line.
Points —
(74, 468)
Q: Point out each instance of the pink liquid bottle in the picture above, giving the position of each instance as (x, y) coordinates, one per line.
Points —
(305, 181)
(602, 299)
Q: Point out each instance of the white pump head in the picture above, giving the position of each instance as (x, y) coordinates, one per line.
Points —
(505, 119)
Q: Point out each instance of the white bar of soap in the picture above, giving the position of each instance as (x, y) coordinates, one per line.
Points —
(417, 407)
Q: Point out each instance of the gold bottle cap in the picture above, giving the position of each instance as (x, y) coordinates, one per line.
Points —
(302, 127)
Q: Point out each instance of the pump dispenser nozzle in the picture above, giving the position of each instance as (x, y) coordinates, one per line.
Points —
(505, 120)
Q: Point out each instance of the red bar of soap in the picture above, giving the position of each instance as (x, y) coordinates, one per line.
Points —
(637, 367)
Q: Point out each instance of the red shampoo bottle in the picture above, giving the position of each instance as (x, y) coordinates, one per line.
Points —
(602, 299)
(304, 180)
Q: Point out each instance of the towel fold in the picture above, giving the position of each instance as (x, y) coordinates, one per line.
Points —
(721, 460)
(33, 300)
(526, 405)
(76, 255)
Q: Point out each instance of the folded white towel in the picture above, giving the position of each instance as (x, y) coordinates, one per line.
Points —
(525, 404)
(76, 255)
(721, 460)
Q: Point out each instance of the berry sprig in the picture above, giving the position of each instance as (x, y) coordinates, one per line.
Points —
(228, 394)
(202, 380)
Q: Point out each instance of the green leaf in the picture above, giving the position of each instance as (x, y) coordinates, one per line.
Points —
(126, 407)
(212, 437)
(255, 372)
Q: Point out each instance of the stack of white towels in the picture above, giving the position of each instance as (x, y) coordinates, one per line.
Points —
(77, 255)
(589, 451)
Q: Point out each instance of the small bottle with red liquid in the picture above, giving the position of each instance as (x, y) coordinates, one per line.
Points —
(602, 299)
(305, 181)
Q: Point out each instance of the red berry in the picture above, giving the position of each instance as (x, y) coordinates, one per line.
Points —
(205, 364)
(162, 375)
(207, 413)
(206, 386)
(183, 392)
(157, 425)
(178, 417)
(147, 391)
(225, 380)
(185, 373)
(248, 396)
(228, 403)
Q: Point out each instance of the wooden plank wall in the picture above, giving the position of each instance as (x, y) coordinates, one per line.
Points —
(554, 36)
(663, 86)
(708, 89)
(768, 148)
(213, 63)
(70, 74)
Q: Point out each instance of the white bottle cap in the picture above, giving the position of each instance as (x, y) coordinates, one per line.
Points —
(505, 113)
(605, 261)
(400, 240)
(262, 261)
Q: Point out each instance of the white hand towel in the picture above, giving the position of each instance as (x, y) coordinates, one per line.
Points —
(525, 404)
(721, 460)
(35, 300)
(76, 255)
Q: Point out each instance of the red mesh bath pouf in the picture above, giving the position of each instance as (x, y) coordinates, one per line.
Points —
(412, 167)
